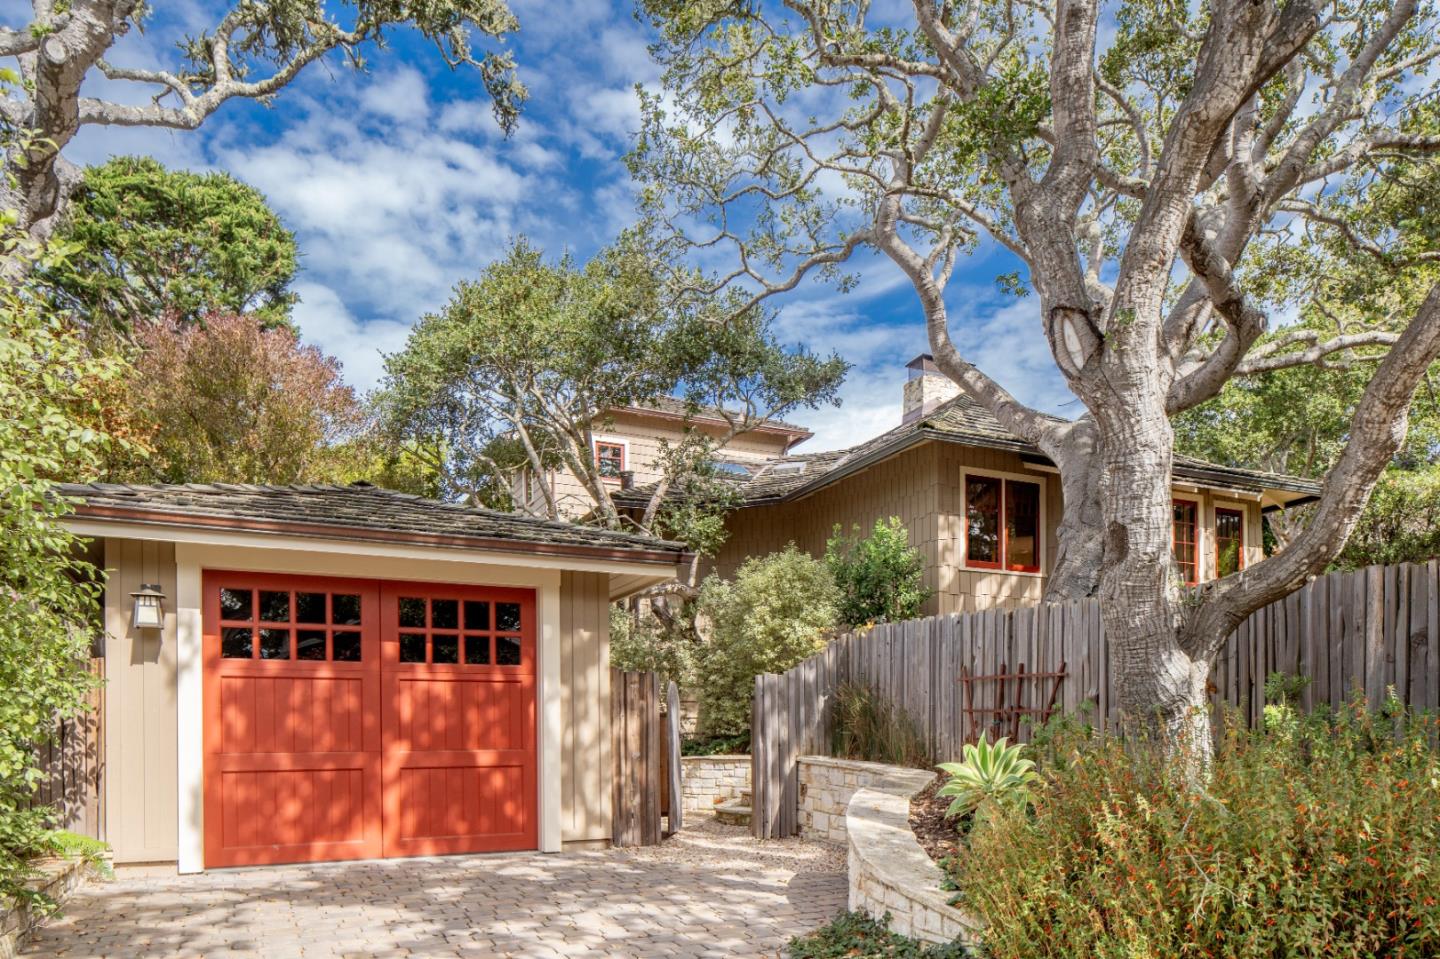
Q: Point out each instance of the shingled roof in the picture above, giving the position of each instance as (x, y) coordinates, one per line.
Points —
(673, 406)
(962, 420)
(357, 512)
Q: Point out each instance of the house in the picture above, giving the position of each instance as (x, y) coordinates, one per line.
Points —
(348, 672)
(628, 443)
(981, 504)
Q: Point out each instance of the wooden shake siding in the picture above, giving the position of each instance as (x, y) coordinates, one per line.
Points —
(141, 748)
(585, 768)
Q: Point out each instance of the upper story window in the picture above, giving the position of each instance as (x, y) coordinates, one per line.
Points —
(610, 459)
(1229, 541)
(1002, 524)
(1185, 541)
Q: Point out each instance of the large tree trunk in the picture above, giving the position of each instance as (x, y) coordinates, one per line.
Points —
(1159, 686)
(1080, 552)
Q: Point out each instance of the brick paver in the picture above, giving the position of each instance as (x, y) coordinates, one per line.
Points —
(572, 904)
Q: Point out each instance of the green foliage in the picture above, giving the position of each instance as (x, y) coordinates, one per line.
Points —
(49, 385)
(640, 640)
(854, 935)
(779, 610)
(716, 745)
(1401, 523)
(868, 728)
(881, 576)
(228, 401)
(1316, 839)
(988, 774)
(148, 243)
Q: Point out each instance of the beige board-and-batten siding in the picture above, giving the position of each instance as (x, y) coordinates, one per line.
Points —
(140, 781)
(141, 804)
(585, 813)
(924, 487)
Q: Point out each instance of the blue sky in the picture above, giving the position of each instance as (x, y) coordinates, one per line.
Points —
(398, 184)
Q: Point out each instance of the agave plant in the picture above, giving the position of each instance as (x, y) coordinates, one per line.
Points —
(996, 772)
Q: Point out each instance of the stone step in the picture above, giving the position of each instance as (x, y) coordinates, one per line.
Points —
(734, 812)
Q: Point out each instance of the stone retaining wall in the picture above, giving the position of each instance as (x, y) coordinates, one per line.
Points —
(706, 781)
(888, 870)
(826, 786)
(58, 879)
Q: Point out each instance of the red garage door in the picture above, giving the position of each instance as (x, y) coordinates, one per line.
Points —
(349, 719)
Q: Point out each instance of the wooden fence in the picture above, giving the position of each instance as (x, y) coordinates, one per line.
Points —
(1370, 629)
(73, 760)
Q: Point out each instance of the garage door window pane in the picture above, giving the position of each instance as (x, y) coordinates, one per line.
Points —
(507, 651)
(345, 610)
(236, 604)
(346, 647)
(237, 643)
(274, 606)
(309, 608)
(310, 644)
(412, 612)
(477, 614)
(444, 614)
(507, 616)
(274, 644)
(477, 650)
(445, 648)
(412, 647)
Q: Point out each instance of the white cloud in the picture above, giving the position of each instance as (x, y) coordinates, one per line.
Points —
(400, 94)
(360, 346)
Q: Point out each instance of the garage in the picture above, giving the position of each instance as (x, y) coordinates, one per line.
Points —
(346, 672)
(352, 719)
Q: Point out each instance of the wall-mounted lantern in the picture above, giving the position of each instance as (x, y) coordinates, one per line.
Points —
(149, 608)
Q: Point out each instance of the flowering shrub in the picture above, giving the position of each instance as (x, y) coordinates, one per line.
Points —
(1317, 837)
(881, 577)
(777, 611)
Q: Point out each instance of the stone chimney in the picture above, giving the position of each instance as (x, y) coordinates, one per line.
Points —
(925, 388)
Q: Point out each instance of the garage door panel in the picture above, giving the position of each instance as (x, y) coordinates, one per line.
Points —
(446, 804)
(448, 715)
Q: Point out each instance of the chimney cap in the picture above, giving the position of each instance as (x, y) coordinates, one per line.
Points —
(922, 365)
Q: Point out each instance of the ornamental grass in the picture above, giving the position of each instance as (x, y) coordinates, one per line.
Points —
(1316, 836)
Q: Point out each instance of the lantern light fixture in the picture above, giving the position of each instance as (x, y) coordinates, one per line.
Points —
(149, 607)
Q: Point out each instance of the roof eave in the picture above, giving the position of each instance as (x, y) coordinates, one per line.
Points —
(184, 520)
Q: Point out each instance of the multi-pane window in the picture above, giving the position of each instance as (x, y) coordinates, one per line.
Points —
(610, 459)
(1229, 541)
(1185, 539)
(1002, 524)
(285, 624)
(453, 632)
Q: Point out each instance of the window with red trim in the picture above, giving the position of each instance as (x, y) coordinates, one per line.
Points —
(1229, 541)
(610, 459)
(1184, 539)
(1002, 524)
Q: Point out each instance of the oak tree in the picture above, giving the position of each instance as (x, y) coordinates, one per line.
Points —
(514, 376)
(253, 51)
(1148, 178)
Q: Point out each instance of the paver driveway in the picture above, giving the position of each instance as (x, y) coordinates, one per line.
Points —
(709, 893)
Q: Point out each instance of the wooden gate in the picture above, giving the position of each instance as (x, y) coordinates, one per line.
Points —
(646, 756)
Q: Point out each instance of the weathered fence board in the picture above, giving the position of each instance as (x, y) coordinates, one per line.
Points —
(1369, 630)
(638, 757)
